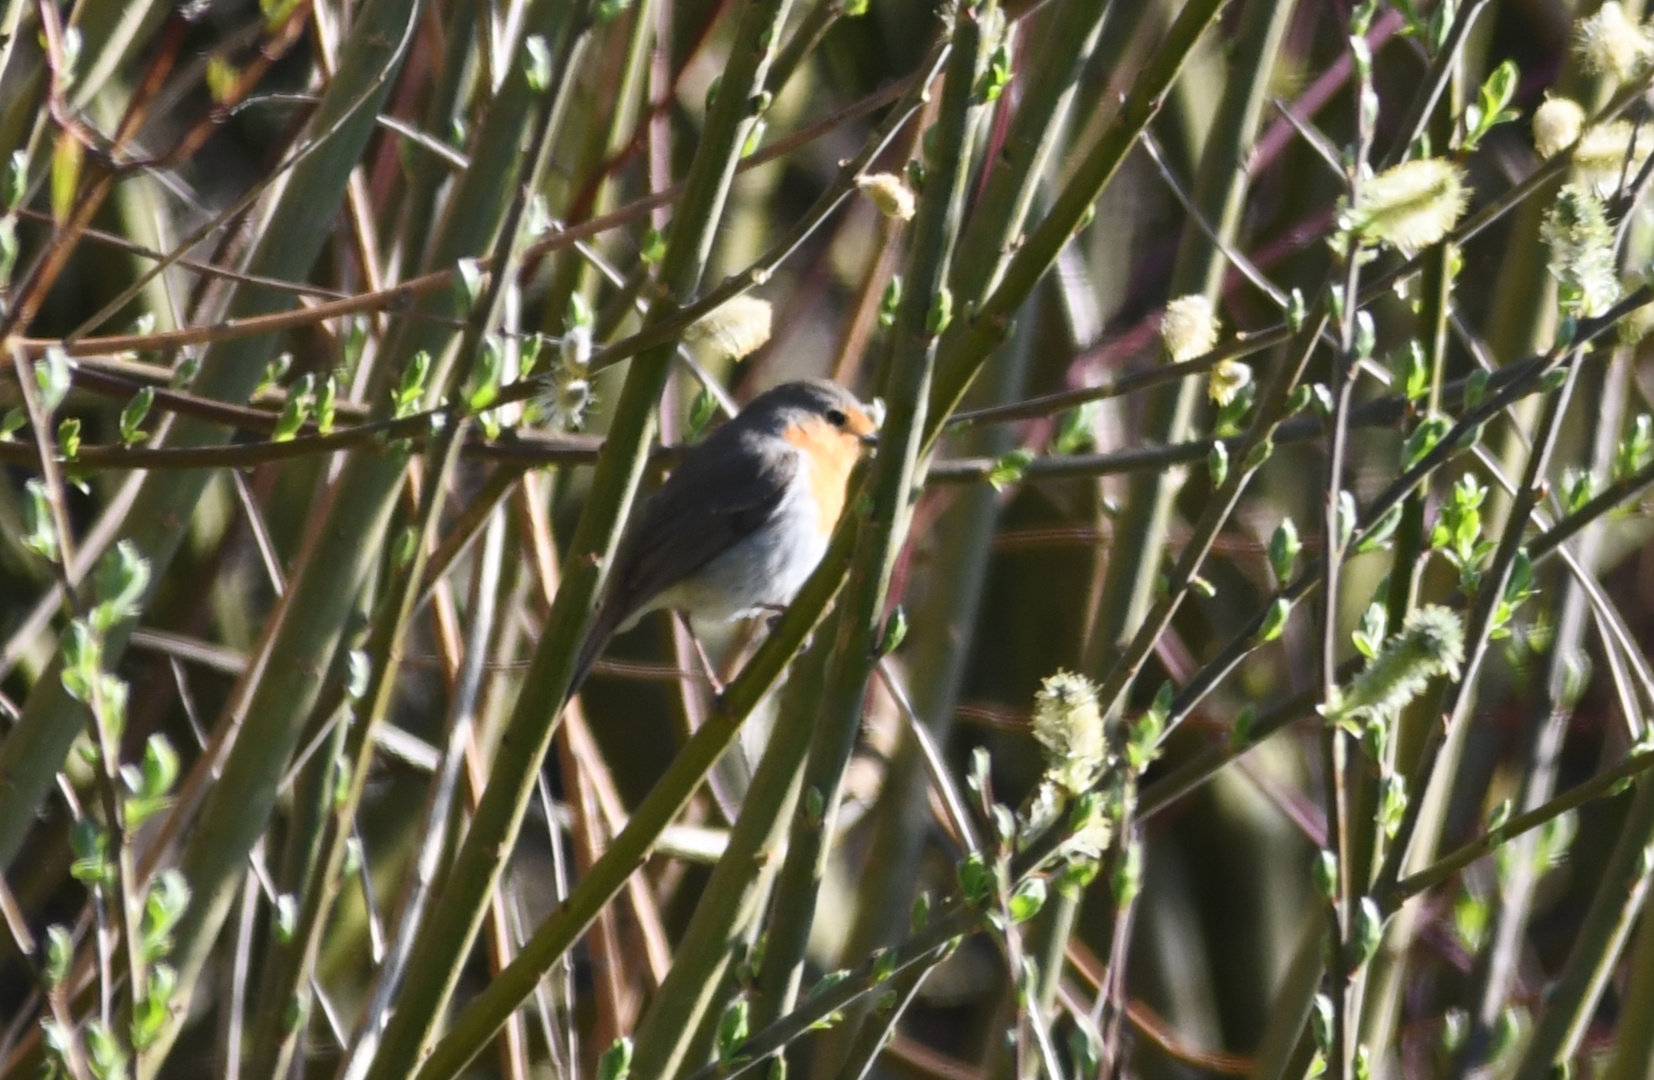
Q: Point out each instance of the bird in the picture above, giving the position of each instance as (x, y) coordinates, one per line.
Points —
(742, 521)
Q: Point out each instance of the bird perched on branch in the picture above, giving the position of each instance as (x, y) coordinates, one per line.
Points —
(744, 518)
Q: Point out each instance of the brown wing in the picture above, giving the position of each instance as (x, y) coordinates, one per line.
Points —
(721, 492)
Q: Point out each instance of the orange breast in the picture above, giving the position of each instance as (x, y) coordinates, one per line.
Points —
(832, 454)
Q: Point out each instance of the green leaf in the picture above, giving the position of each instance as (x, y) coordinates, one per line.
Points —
(1274, 620)
(1259, 454)
(122, 579)
(701, 412)
(1632, 453)
(941, 312)
(1284, 546)
(919, 917)
(16, 180)
(60, 952)
(39, 527)
(1321, 1020)
(132, 417)
(976, 881)
(537, 63)
(732, 1030)
(286, 917)
(485, 380)
(1009, 468)
(1492, 101)
(653, 248)
(1347, 517)
(1369, 930)
(90, 845)
(165, 904)
(1325, 875)
(108, 1056)
(1369, 637)
(222, 77)
(1378, 536)
(406, 397)
(1471, 917)
(1424, 438)
(469, 279)
(149, 1018)
(616, 1062)
(295, 411)
(1027, 900)
(890, 301)
(52, 378)
(1415, 373)
(1128, 874)
(1077, 431)
(326, 404)
(1393, 805)
(68, 437)
(274, 372)
(895, 632)
(826, 983)
(1475, 387)
(996, 77)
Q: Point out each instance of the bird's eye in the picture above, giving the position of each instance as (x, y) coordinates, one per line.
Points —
(836, 417)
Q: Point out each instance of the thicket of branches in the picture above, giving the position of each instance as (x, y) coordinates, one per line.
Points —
(1232, 661)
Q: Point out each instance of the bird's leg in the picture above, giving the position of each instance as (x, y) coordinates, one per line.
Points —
(706, 661)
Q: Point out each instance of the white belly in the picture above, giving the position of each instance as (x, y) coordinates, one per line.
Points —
(759, 573)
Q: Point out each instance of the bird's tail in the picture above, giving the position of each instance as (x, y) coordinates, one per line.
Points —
(597, 639)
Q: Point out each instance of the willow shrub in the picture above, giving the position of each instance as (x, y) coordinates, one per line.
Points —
(1231, 660)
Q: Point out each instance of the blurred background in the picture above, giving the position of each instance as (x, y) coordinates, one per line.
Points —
(284, 157)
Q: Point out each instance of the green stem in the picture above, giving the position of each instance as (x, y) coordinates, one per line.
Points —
(962, 354)
(1572, 999)
(1490, 593)
(482, 1017)
(435, 966)
(35, 748)
(905, 384)
(730, 902)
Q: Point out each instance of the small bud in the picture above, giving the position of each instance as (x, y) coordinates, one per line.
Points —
(1128, 874)
(1368, 932)
(1411, 206)
(1027, 899)
(1321, 1021)
(1325, 874)
(1227, 380)
(1611, 44)
(1189, 328)
(889, 193)
(1557, 124)
(735, 329)
(616, 1062)
(1274, 622)
(1284, 547)
(1069, 723)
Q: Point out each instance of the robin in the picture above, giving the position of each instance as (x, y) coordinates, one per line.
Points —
(744, 518)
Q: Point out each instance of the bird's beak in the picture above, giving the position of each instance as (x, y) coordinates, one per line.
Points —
(870, 439)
